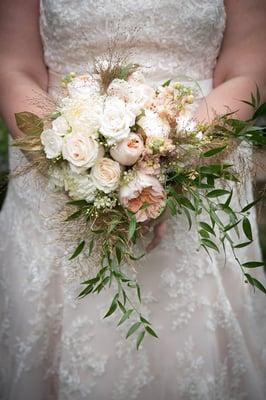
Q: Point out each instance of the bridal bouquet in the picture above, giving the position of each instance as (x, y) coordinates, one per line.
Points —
(126, 154)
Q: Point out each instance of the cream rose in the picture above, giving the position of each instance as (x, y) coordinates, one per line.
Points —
(116, 120)
(60, 126)
(106, 175)
(80, 150)
(52, 143)
(128, 151)
(153, 125)
(140, 191)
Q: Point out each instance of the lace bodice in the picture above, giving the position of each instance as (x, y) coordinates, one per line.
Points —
(174, 36)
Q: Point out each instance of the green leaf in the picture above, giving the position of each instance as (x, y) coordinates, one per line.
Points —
(184, 201)
(254, 282)
(253, 264)
(247, 228)
(260, 112)
(75, 215)
(188, 218)
(204, 233)
(240, 245)
(138, 292)
(125, 317)
(91, 246)
(207, 227)
(29, 123)
(78, 250)
(250, 205)
(217, 193)
(118, 254)
(145, 321)
(79, 203)
(133, 329)
(166, 83)
(209, 243)
(132, 227)
(112, 308)
(151, 331)
(140, 338)
(215, 151)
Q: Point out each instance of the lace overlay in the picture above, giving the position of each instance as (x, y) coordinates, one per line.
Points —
(210, 323)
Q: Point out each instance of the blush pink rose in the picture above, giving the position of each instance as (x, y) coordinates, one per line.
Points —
(128, 151)
(140, 191)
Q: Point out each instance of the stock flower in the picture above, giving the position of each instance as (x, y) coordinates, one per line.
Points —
(83, 115)
(143, 195)
(52, 143)
(80, 187)
(80, 150)
(153, 125)
(106, 175)
(128, 151)
(116, 120)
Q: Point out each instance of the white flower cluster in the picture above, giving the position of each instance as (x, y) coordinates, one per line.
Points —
(94, 137)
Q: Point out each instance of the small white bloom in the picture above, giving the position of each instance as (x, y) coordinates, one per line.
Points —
(116, 120)
(128, 151)
(199, 135)
(60, 126)
(80, 150)
(106, 175)
(153, 125)
(80, 187)
(56, 179)
(185, 123)
(52, 143)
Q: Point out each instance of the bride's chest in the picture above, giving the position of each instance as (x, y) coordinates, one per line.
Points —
(156, 20)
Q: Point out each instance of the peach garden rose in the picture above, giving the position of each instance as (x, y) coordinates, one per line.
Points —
(142, 190)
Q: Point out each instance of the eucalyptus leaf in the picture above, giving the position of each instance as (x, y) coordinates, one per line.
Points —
(140, 338)
(78, 250)
(133, 329)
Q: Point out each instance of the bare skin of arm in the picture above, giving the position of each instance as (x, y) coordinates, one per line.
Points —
(23, 74)
(240, 66)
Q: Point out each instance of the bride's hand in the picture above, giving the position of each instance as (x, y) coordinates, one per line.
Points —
(158, 233)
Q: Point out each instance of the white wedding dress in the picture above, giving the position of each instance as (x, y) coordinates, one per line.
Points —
(211, 325)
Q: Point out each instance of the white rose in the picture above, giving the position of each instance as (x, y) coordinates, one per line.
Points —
(83, 115)
(60, 126)
(80, 187)
(136, 77)
(153, 125)
(80, 150)
(128, 151)
(106, 175)
(52, 143)
(84, 85)
(116, 120)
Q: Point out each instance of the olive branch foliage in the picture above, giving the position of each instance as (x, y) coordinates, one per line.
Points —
(202, 193)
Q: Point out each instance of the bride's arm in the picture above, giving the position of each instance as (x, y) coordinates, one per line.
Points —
(242, 60)
(240, 66)
(23, 75)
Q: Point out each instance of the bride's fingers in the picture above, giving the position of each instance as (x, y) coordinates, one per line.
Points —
(158, 233)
